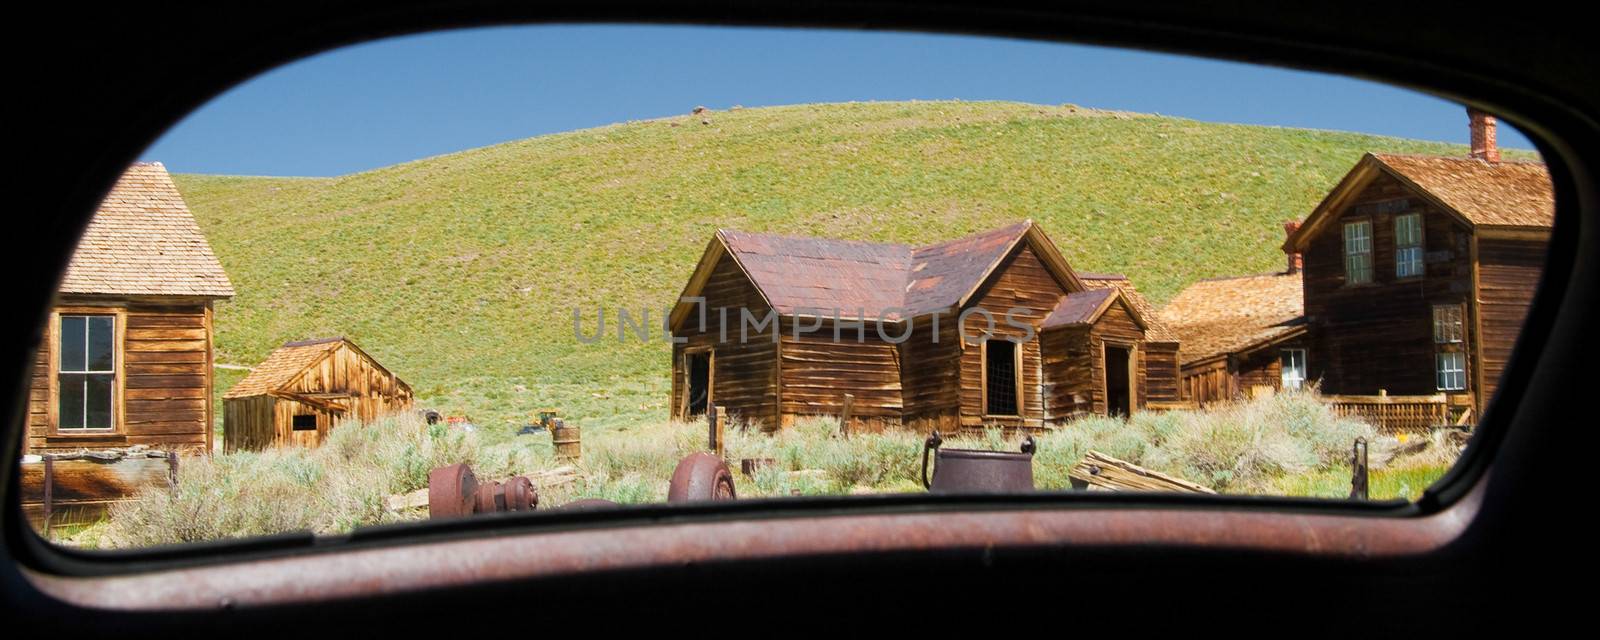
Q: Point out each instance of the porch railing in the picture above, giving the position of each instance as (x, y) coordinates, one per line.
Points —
(1397, 414)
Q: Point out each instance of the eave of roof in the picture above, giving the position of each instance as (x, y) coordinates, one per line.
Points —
(1525, 186)
(811, 277)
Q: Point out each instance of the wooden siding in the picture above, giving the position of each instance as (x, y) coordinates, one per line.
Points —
(930, 379)
(1508, 274)
(355, 383)
(1237, 375)
(817, 371)
(1067, 371)
(1368, 337)
(1022, 282)
(164, 382)
(744, 372)
(1161, 372)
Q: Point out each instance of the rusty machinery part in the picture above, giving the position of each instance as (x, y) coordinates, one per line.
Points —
(699, 477)
(491, 498)
(588, 503)
(452, 491)
(520, 494)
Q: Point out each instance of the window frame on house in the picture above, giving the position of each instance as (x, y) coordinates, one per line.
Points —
(1016, 376)
(1414, 265)
(118, 317)
(1285, 366)
(1367, 252)
(1457, 374)
(1456, 334)
(1450, 339)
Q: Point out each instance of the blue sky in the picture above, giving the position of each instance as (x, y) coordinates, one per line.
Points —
(378, 104)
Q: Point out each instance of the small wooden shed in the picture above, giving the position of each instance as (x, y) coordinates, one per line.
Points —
(296, 395)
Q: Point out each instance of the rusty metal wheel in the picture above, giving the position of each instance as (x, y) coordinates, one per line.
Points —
(520, 494)
(699, 477)
(452, 490)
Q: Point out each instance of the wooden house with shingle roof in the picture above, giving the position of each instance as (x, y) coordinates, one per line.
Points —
(1241, 336)
(303, 389)
(127, 351)
(992, 329)
(1419, 270)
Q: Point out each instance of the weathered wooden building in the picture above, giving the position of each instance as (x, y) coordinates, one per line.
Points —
(1419, 271)
(302, 389)
(1242, 337)
(127, 350)
(789, 326)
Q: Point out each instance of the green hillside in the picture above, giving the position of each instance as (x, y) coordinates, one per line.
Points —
(460, 272)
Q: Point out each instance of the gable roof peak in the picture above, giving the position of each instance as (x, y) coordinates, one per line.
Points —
(143, 240)
(806, 275)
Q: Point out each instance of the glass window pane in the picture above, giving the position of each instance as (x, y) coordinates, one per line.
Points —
(69, 410)
(97, 401)
(100, 340)
(72, 343)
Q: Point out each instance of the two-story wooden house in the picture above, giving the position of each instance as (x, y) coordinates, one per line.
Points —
(1419, 271)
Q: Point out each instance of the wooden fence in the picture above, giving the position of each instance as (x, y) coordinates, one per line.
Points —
(1402, 414)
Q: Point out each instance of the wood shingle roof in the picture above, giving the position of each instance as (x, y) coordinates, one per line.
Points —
(815, 276)
(282, 366)
(143, 241)
(1228, 315)
(1508, 195)
(1504, 194)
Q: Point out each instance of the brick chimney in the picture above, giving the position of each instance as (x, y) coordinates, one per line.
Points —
(1294, 256)
(1483, 146)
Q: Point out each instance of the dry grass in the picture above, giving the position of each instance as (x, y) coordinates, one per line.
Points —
(1288, 444)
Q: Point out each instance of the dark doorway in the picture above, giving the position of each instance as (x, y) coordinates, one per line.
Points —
(1000, 377)
(1119, 391)
(698, 367)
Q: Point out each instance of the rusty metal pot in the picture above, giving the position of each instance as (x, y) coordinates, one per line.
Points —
(974, 471)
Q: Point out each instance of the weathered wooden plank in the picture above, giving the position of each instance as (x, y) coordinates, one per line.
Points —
(1098, 470)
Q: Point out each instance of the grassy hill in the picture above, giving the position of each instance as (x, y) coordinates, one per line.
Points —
(460, 272)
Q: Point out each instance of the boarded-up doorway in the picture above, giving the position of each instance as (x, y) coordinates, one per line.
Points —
(1119, 385)
(697, 368)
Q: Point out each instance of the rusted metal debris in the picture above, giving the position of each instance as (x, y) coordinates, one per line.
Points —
(701, 476)
(973, 471)
(454, 491)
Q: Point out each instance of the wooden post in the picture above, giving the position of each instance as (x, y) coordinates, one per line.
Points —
(844, 416)
(49, 482)
(172, 469)
(714, 430)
